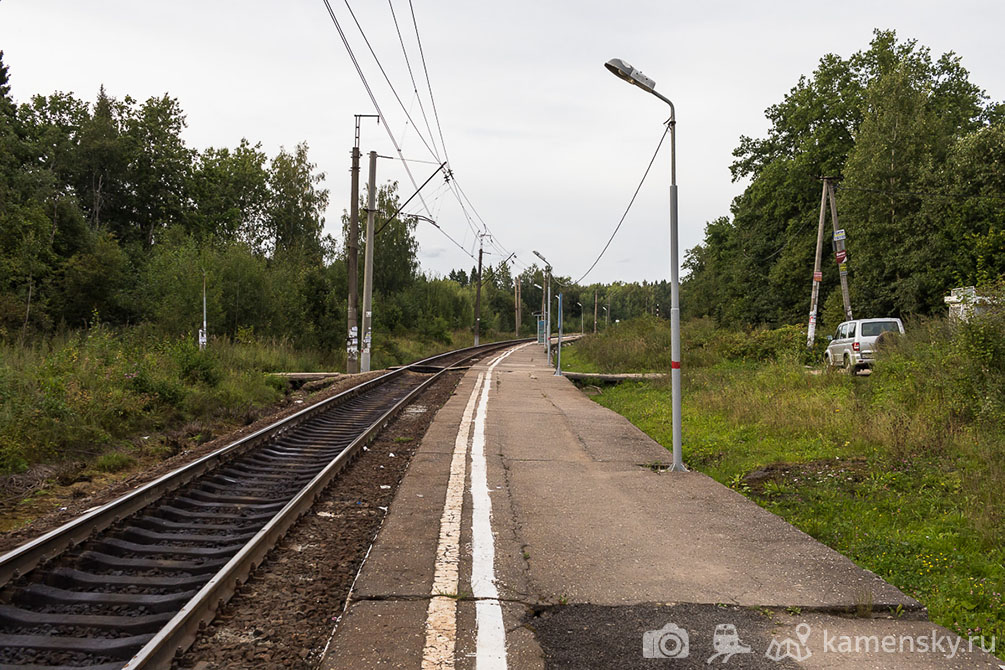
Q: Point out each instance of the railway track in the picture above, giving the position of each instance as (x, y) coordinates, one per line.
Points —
(129, 584)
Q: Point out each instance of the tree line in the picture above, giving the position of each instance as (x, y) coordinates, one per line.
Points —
(106, 214)
(920, 153)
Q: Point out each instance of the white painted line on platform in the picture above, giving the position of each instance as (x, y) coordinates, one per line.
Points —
(490, 648)
(441, 616)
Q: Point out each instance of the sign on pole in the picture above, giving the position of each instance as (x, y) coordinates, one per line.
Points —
(839, 234)
(540, 331)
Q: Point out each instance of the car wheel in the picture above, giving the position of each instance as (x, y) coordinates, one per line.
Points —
(847, 366)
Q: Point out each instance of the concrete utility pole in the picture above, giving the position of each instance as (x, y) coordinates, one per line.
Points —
(352, 259)
(368, 264)
(204, 333)
(351, 265)
(516, 305)
(582, 319)
(478, 292)
(594, 312)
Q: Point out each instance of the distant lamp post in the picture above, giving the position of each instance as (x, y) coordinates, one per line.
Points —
(558, 349)
(582, 319)
(625, 71)
(541, 316)
(547, 309)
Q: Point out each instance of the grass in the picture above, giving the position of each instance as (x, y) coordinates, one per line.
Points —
(900, 471)
(96, 396)
(80, 395)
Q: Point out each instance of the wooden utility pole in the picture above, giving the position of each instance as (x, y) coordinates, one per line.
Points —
(818, 274)
(840, 256)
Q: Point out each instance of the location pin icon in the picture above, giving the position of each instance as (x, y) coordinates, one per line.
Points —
(803, 633)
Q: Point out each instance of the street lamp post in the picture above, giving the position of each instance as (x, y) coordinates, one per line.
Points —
(625, 71)
(547, 311)
(540, 315)
(558, 349)
(582, 319)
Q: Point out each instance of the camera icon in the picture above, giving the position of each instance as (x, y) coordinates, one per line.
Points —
(670, 641)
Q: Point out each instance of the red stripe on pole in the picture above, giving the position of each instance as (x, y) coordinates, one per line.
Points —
(675, 365)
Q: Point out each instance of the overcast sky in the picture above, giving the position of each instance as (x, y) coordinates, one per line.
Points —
(547, 145)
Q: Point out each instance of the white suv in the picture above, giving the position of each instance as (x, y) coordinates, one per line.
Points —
(852, 345)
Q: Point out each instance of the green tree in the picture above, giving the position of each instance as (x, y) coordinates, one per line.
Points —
(103, 161)
(294, 218)
(885, 119)
(159, 168)
(231, 195)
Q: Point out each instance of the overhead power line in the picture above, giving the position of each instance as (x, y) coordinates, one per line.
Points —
(429, 83)
(458, 193)
(388, 79)
(445, 233)
(411, 75)
(376, 105)
(627, 209)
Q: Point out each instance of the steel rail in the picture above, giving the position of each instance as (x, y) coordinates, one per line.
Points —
(181, 630)
(30, 555)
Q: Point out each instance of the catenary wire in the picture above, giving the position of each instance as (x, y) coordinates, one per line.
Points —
(376, 105)
(411, 75)
(388, 79)
(436, 117)
(429, 84)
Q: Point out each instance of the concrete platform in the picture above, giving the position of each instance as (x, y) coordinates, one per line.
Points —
(587, 549)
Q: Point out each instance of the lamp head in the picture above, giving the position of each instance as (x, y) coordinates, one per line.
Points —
(625, 71)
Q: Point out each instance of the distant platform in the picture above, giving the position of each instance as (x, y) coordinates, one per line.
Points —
(613, 377)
